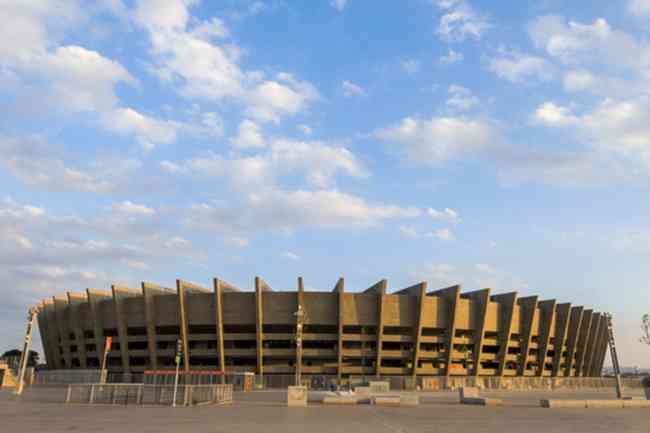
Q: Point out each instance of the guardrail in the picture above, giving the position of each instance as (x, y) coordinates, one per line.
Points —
(139, 394)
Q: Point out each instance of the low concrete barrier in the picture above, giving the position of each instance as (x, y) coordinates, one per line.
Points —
(297, 396)
(387, 400)
(379, 387)
(480, 401)
(595, 404)
(340, 400)
(409, 400)
(439, 383)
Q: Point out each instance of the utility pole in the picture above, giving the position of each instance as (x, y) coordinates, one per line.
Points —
(31, 315)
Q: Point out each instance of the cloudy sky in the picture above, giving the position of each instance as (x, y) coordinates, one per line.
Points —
(455, 141)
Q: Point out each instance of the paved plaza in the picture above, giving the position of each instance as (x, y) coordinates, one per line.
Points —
(41, 410)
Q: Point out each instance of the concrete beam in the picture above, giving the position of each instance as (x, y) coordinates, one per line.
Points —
(340, 290)
(260, 286)
(377, 287)
(94, 296)
(60, 303)
(583, 337)
(119, 295)
(591, 344)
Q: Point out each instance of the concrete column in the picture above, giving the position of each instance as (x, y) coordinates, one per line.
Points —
(300, 298)
(562, 312)
(259, 325)
(340, 290)
(547, 316)
(221, 286)
(74, 300)
(94, 296)
(602, 350)
(583, 337)
(591, 344)
(575, 323)
(527, 313)
(50, 334)
(119, 296)
(422, 293)
(150, 291)
(507, 303)
(451, 295)
(481, 298)
(59, 312)
(381, 294)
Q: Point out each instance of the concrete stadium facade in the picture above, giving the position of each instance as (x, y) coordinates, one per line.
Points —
(410, 332)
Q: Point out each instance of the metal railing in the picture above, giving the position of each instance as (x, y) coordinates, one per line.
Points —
(139, 394)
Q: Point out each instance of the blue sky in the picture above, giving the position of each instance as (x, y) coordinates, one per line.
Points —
(450, 141)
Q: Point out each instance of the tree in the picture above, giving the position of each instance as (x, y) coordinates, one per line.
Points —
(15, 353)
(645, 329)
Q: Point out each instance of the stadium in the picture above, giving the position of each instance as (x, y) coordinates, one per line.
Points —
(412, 332)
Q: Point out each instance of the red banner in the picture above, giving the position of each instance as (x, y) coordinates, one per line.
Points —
(109, 343)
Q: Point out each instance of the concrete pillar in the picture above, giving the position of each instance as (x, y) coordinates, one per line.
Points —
(149, 292)
(94, 296)
(562, 312)
(575, 323)
(507, 303)
(450, 295)
(119, 296)
(259, 325)
(50, 334)
(547, 317)
(591, 344)
(583, 337)
(421, 294)
(340, 290)
(221, 286)
(60, 303)
(481, 298)
(528, 309)
(381, 294)
(74, 300)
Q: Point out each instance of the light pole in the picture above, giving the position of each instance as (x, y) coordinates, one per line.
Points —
(25, 355)
(300, 317)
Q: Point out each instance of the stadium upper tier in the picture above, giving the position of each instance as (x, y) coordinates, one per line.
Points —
(407, 332)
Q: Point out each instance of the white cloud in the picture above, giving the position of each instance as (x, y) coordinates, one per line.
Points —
(148, 130)
(291, 256)
(551, 114)
(639, 7)
(317, 161)
(339, 5)
(460, 21)
(439, 139)
(350, 89)
(129, 208)
(271, 100)
(248, 136)
(451, 57)
(408, 232)
(578, 80)
(236, 241)
(443, 234)
(449, 215)
(410, 66)
(520, 68)
(461, 98)
(596, 43)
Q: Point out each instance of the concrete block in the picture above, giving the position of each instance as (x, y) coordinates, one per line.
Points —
(297, 396)
(409, 400)
(362, 390)
(636, 404)
(604, 404)
(339, 400)
(478, 401)
(379, 387)
(468, 392)
(387, 400)
(563, 404)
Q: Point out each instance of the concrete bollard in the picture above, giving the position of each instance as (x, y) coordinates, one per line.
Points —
(297, 396)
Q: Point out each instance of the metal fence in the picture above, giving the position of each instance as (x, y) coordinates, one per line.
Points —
(139, 394)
